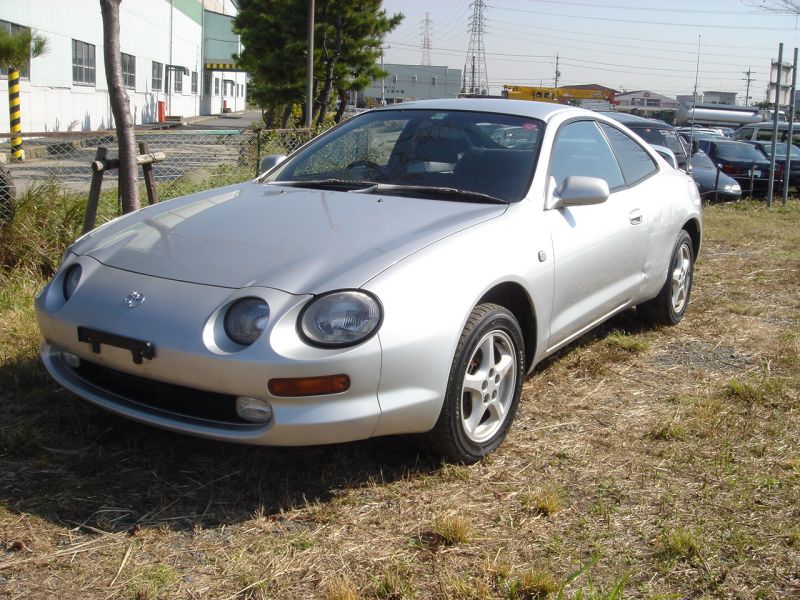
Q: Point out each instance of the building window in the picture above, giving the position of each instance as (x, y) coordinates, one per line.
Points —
(194, 82)
(158, 76)
(83, 66)
(394, 78)
(216, 86)
(128, 70)
(655, 102)
(25, 71)
(433, 81)
(177, 77)
(207, 83)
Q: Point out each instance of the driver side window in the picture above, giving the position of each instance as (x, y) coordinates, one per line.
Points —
(581, 149)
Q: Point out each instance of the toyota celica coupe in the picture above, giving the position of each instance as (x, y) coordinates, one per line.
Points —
(399, 274)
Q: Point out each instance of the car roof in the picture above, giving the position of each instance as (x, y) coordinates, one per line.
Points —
(635, 120)
(523, 108)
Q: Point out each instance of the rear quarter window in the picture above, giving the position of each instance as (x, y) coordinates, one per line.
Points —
(634, 160)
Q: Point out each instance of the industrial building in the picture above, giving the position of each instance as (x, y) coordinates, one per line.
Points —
(413, 82)
(176, 62)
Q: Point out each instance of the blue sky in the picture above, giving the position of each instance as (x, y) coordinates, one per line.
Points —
(619, 43)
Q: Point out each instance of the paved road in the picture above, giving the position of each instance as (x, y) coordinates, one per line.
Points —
(240, 120)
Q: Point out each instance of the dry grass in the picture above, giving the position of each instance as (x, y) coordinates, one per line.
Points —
(658, 463)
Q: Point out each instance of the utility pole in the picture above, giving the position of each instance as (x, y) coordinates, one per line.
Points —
(426, 40)
(383, 78)
(748, 78)
(558, 73)
(475, 62)
(310, 66)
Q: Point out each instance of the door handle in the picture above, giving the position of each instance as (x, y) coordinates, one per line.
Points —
(635, 217)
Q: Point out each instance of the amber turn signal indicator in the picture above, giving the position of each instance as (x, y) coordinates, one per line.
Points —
(309, 386)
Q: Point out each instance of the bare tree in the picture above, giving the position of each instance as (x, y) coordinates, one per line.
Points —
(120, 107)
(790, 7)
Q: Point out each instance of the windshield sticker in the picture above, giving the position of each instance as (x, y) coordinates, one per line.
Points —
(439, 116)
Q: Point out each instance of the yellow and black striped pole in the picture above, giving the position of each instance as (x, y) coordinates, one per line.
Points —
(14, 111)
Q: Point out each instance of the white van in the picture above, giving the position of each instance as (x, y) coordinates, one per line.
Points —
(763, 132)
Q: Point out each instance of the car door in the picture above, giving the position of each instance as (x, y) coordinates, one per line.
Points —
(599, 249)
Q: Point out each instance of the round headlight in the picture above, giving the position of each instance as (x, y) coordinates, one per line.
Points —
(340, 319)
(71, 279)
(246, 319)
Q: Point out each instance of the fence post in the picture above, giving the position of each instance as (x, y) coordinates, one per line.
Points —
(258, 151)
(94, 192)
(149, 176)
(14, 114)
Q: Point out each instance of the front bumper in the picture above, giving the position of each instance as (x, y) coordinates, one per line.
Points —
(178, 319)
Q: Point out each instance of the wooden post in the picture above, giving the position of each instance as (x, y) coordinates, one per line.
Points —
(94, 192)
(149, 176)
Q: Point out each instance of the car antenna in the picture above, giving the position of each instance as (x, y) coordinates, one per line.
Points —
(694, 104)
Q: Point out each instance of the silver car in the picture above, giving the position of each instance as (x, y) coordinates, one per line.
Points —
(401, 273)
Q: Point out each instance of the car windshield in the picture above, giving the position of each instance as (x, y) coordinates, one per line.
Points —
(429, 153)
(780, 150)
(661, 137)
(738, 151)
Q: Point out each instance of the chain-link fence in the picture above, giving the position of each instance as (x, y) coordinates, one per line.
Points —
(191, 156)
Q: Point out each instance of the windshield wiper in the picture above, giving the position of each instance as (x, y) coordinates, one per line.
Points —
(336, 184)
(448, 192)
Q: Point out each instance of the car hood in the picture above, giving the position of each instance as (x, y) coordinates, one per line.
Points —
(705, 178)
(296, 240)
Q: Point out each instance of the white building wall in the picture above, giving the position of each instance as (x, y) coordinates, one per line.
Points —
(150, 30)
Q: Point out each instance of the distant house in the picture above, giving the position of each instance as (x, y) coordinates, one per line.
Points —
(719, 98)
(645, 101)
(591, 86)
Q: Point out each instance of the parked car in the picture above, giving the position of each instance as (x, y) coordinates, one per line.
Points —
(780, 159)
(654, 132)
(764, 132)
(685, 132)
(659, 134)
(713, 186)
(378, 281)
(741, 161)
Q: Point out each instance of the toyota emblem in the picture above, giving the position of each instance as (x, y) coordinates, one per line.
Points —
(133, 299)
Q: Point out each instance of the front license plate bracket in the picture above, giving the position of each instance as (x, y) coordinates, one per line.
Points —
(95, 338)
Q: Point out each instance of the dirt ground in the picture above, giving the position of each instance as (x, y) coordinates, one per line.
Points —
(644, 463)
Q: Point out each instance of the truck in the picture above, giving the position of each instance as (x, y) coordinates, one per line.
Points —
(588, 98)
(721, 115)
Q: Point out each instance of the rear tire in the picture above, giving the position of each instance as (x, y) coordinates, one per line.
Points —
(670, 305)
(483, 389)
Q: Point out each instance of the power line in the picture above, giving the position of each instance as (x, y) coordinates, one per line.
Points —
(650, 9)
(683, 25)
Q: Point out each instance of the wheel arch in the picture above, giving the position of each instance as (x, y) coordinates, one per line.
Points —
(692, 227)
(513, 297)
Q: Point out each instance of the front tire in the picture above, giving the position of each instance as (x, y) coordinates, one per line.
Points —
(670, 305)
(484, 387)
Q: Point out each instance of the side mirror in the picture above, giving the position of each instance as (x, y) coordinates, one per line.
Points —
(268, 162)
(577, 190)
